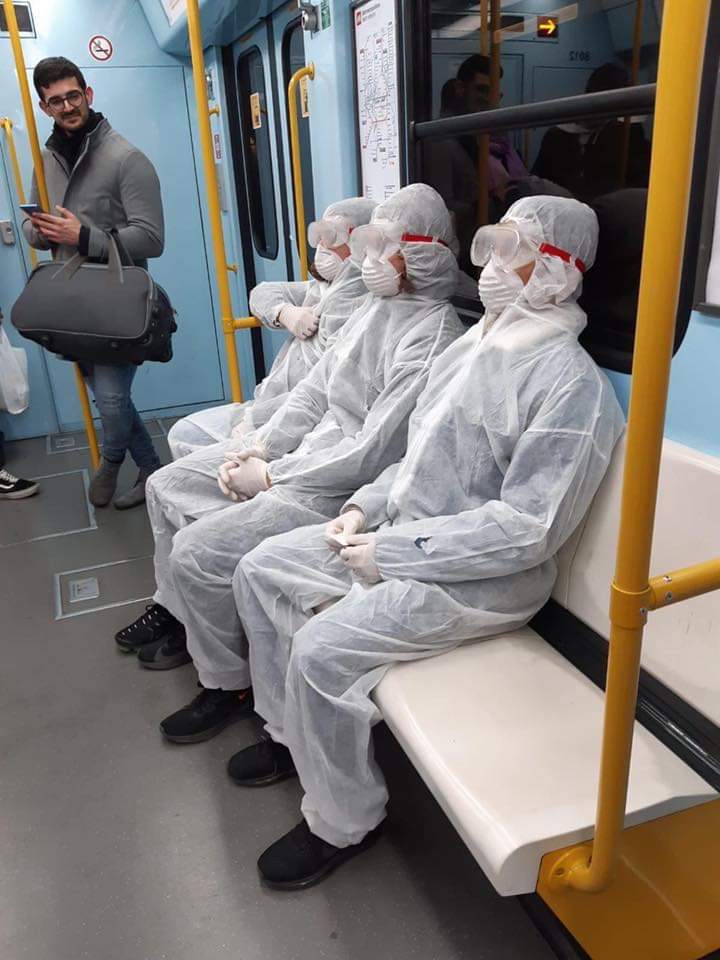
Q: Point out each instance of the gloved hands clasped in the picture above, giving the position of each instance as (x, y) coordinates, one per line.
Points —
(301, 322)
(244, 474)
(356, 549)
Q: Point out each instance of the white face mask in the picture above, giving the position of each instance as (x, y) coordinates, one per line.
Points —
(498, 288)
(328, 263)
(381, 277)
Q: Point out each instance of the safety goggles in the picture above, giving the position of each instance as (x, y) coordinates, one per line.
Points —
(512, 247)
(330, 232)
(383, 238)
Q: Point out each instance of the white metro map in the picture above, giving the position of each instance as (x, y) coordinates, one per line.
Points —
(377, 86)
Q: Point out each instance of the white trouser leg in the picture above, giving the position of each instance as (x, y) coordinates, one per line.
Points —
(204, 428)
(273, 605)
(202, 564)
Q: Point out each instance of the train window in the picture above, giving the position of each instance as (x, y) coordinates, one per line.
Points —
(257, 153)
(293, 60)
(488, 55)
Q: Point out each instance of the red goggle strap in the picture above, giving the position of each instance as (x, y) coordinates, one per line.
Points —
(563, 255)
(418, 238)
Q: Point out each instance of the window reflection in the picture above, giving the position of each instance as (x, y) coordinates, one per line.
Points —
(599, 45)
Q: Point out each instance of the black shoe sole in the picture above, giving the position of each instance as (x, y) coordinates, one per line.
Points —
(265, 781)
(208, 734)
(337, 860)
(167, 663)
(20, 494)
(129, 647)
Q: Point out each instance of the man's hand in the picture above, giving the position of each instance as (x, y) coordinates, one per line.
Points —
(63, 230)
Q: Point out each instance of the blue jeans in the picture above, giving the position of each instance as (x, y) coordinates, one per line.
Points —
(122, 427)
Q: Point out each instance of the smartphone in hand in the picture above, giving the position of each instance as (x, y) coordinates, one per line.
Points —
(30, 208)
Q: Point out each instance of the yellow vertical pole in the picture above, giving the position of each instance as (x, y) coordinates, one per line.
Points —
(679, 76)
(44, 198)
(307, 71)
(211, 184)
(634, 74)
(484, 28)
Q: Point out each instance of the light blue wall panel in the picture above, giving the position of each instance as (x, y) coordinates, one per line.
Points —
(694, 399)
(332, 114)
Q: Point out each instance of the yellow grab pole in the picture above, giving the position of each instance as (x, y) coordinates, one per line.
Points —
(7, 125)
(301, 226)
(679, 75)
(634, 73)
(87, 417)
(685, 583)
(211, 184)
(44, 198)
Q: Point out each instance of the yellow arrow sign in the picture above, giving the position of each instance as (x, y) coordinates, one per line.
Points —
(548, 27)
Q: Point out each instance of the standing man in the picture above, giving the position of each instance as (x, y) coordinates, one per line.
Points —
(98, 182)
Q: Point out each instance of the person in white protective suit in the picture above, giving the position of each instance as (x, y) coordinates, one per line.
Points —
(338, 429)
(312, 312)
(506, 449)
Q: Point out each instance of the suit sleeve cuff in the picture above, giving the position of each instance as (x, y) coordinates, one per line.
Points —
(84, 241)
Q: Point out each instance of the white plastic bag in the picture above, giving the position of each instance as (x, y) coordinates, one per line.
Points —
(14, 385)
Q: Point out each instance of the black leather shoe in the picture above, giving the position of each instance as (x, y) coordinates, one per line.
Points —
(261, 764)
(151, 627)
(166, 654)
(205, 716)
(300, 859)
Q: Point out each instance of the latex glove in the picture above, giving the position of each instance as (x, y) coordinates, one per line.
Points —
(359, 557)
(337, 531)
(240, 429)
(300, 321)
(244, 453)
(245, 480)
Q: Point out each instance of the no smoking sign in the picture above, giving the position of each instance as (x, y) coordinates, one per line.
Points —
(100, 48)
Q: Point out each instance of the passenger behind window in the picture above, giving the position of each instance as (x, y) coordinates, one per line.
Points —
(452, 166)
(591, 158)
(312, 312)
(506, 449)
(98, 182)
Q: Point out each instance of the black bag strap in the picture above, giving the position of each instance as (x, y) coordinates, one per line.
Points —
(125, 259)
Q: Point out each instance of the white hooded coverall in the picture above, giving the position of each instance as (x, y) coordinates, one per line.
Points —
(506, 449)
(332, 302)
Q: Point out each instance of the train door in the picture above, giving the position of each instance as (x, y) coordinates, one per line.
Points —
(264, 60)
(40, 417)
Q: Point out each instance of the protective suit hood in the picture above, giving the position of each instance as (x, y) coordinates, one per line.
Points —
(431, 268)
(566, 225)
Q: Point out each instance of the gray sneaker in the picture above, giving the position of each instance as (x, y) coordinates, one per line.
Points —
(103, 484)
(135, 495)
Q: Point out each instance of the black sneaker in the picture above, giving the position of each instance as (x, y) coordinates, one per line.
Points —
(209, 713)
(13, 488)
(300, 859)
(166, 654)
(154, 625)
(261, 764)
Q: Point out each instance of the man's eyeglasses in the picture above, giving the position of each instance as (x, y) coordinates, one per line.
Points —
(73, 99)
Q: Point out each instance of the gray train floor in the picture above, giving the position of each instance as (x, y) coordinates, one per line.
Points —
(118, 846)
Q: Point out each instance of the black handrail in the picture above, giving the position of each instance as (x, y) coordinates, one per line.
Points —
(636, 101)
